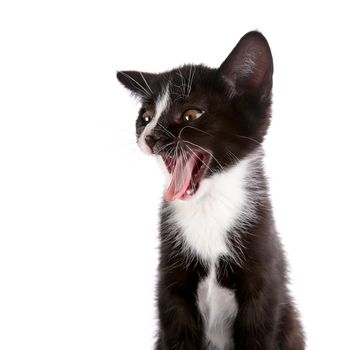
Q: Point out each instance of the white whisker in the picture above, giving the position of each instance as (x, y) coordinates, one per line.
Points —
(191, 80)
(249, 138)
(165, 146)
(169, 133)
(144, 79)
(131, 78)
(194, 153)
(183, 84)
(192, 127)
(205, 150)
(232, 155)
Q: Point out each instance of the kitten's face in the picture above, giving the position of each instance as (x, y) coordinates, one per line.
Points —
(200, 120)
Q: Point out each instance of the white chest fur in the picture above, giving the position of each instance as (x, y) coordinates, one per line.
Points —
(218, 307)
(221, 203)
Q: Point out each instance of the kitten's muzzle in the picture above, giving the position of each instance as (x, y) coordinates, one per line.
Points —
(151, 141)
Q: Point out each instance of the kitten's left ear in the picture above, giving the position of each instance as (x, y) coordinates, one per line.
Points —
(249, 67)
(137, 82)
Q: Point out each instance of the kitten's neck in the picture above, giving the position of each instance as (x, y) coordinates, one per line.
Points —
(226, 202)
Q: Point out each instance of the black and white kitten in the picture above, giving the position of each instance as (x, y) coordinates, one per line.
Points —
(222, 272)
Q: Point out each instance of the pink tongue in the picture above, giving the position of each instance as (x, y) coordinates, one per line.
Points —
(180, 178)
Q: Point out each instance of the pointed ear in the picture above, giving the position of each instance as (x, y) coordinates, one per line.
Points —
(249, 67)
(137, 82)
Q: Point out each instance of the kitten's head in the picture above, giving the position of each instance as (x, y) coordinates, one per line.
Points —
(202, 120)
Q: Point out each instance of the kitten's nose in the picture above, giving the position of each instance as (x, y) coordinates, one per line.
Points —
(151, 140)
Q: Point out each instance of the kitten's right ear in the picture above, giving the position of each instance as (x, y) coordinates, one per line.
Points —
(248, 68)
(137, 82)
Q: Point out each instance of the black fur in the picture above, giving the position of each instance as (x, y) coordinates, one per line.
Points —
(236, 99)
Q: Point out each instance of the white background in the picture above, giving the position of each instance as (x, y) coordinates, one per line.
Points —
(78, 200)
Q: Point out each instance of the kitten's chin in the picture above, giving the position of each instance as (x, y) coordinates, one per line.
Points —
(185, 174)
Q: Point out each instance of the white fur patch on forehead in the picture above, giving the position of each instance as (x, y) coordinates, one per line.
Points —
(162, 105)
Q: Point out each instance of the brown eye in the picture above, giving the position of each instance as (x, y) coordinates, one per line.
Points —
(147, 116)
(192, 114)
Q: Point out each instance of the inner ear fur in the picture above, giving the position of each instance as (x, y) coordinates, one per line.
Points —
(248, 68)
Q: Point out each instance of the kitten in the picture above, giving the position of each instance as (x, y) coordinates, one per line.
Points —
(222, 272)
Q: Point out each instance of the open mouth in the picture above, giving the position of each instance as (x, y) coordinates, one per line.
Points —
(186, 172)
